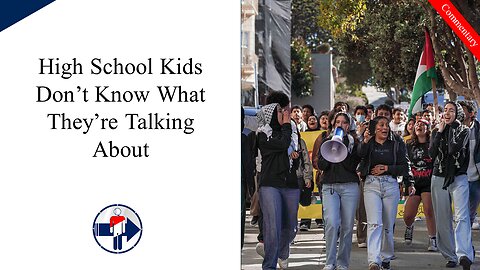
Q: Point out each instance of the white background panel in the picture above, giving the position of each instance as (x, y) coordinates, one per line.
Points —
(186, 193)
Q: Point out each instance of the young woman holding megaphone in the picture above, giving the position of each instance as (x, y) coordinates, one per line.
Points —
(338, 160)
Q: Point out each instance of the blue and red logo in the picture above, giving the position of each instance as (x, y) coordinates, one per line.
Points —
(117, 228)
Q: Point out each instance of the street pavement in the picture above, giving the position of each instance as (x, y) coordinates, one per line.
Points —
(308, 250)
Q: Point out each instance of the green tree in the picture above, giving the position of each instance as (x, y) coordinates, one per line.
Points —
(396, 41)
(311, 24)
(354, 57)
(457, 64)
(384, 47)
(305, 24)
(341, 16)
(389, 33)
(302, 76)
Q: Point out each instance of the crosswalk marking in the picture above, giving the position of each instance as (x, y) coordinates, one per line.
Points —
(300, 251)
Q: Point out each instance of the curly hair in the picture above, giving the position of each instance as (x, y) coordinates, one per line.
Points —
(406, 132)
(414, 139)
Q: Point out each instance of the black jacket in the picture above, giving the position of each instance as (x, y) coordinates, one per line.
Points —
(401, 166)
(450, 148)
(342, 172)
(248, 163)
(275, 161)
(446, 145)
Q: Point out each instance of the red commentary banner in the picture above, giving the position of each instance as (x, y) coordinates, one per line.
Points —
(458, 24)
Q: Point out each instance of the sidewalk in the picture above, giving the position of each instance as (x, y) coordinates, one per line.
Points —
(308, 251)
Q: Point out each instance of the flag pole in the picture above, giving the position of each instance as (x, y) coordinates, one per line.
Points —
(434, 81)
(435, 99)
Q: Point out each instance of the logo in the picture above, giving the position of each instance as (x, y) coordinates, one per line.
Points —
(117, 228)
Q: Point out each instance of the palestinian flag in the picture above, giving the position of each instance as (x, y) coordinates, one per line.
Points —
(423, 79)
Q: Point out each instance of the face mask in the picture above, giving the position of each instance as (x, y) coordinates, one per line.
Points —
(360, 118)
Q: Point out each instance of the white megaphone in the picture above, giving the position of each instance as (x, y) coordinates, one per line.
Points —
(334, 150)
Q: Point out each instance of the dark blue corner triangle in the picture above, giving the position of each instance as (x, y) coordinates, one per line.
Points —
(12, 11)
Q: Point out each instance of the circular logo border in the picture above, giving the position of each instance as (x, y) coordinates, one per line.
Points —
(141, 228)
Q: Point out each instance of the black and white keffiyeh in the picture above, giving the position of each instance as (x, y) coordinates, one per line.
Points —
(455, 129)
(264, 117)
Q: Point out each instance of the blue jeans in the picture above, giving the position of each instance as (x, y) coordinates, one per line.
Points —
(474, 195)
(463, 230)
(442, 210)
(381, 195)
(340, 203)
(279, 208)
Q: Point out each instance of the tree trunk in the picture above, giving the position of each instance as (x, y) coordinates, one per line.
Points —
(452, 95)
(460, 76)
(474, 81)
(397, 94)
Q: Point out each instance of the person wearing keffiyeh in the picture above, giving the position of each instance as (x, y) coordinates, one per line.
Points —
(450, 151)
(278, 195)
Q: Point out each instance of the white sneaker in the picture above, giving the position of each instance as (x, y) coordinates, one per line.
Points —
(283, 264)
(341, 267)
(362, 245)
(329, 267)
(475, 225)
(260, 249)
(432, 244)
(304, 228)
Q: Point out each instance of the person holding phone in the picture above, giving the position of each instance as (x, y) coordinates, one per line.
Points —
(383, 159)
(360, 114)
(419, 186)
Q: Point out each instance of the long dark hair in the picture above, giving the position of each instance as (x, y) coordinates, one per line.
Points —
(318, 123)
(345, 115)
(349, 119)
(373, 123)
(331, 116)
(414, 139)
(406, 132)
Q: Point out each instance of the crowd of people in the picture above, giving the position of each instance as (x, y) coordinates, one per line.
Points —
(433, 157)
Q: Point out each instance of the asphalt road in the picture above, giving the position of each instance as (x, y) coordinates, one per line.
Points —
(308, 250)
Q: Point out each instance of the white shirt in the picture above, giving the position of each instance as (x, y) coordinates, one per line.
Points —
(397, 128)
(302, 126)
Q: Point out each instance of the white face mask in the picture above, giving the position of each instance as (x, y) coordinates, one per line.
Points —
(360, 118)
